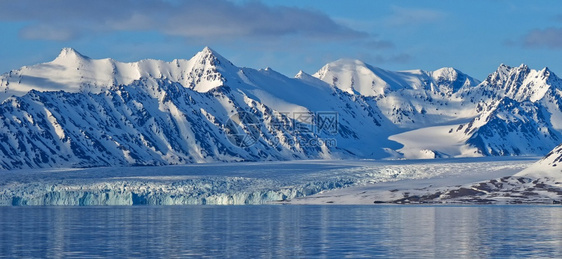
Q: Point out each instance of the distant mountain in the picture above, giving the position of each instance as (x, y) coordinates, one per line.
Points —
(80, 112)
(410, 99)
(520, 112)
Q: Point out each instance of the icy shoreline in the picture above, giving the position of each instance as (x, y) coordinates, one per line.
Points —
(295, 182)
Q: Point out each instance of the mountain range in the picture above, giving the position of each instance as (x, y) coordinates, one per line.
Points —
(80, 112)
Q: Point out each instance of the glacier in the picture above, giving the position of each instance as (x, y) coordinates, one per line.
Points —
(231, 183)
(519, 182)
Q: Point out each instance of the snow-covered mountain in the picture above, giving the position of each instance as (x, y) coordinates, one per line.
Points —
(74, 72)
(104, 113)
(520, 112)
(445, 113)
(410, 99)
(81, 112)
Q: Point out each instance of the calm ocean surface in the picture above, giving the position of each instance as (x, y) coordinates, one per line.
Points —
(282, 231)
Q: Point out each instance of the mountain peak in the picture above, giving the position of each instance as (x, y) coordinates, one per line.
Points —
(209, 70)
(339, 66)
(352, 62)
(210, 57)
(502, 65)
(546, 72)
(305, 76)
(70, 52)
(208, 50)
(446, 72)
(503, 71)
(69, 55)
(521, 83)
(300, 74)
(270, 71)
(523, 68)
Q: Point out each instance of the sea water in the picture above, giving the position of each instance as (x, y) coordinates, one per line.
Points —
(281, 231)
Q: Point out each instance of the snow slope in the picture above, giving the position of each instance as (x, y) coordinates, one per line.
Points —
(80, 112)
(548, 167)
(434, 142)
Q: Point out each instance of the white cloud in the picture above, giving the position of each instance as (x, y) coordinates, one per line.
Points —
(211, 19)
(544, 38)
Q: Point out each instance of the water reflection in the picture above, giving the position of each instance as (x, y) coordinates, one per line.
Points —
(282, 231)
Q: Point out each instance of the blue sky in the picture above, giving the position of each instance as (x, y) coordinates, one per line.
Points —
(289, 35)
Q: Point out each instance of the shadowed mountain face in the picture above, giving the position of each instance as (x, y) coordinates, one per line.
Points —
(81, 112)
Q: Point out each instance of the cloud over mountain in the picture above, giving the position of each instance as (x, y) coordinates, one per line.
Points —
(213, 19)
(544, 38)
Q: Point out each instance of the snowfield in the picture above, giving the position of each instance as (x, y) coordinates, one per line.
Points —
(295, 182)
(434, 142)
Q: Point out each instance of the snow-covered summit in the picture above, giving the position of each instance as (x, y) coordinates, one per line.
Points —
(73, 72)
(519, 83)
(410, 99)
(355, 76)
(210, 57)
(452, 79)
(519, 111)
(69, 56)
